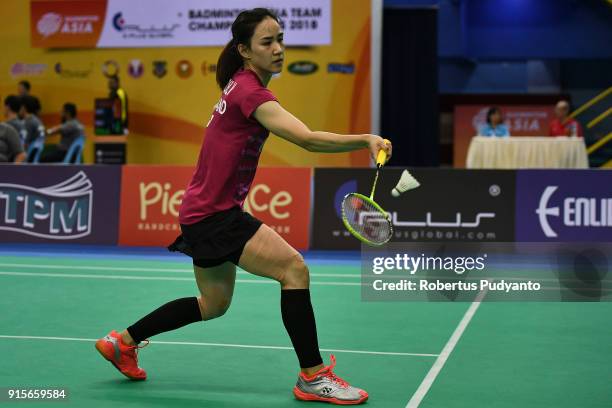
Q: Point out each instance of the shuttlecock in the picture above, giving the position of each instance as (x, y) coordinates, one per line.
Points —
(405, 183)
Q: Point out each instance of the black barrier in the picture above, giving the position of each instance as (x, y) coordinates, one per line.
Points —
(450, 205)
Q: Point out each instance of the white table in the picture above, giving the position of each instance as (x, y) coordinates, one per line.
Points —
(527, 152)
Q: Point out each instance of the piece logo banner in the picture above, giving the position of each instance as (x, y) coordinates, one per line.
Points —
(53, 203)
(151, 198)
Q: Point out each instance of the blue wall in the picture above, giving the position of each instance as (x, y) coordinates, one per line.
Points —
(521, 46)
(524, 29)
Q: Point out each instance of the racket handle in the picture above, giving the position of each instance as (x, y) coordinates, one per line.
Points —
(381, 158)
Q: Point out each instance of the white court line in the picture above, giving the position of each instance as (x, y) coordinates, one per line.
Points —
(419, 394)
(247, 346)
(128, 268)
(157, 278)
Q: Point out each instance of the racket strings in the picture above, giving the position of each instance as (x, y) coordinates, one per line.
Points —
(366, 220)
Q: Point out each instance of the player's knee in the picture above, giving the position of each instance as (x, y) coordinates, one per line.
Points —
(297, 275)
(211, 308)
(222, 305)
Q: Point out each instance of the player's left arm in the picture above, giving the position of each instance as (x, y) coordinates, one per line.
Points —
(282, 123)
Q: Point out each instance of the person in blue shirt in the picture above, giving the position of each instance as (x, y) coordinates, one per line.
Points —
(494, 125)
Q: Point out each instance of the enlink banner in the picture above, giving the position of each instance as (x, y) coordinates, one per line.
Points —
(71, 204)
(564, 205)
(151, 197)
(450, 205)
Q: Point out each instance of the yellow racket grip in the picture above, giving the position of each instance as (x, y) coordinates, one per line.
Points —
(381, 158)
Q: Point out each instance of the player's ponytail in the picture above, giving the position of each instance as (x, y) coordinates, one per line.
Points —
(243, 28)
(229, 62)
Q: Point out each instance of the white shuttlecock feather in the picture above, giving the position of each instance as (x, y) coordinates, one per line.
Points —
(405, 183)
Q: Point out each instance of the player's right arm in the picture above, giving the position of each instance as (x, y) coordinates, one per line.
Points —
(283, 124)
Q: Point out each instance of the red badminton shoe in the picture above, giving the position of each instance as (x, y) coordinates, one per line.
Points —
(325, 386)
(121, 355)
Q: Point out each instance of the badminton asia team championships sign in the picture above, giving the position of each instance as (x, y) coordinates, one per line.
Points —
(68, 204)
(163, 23)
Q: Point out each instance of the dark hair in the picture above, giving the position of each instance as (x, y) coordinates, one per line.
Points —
(243, 28)
(71, 109)
(25, 84)
(30, 104)
(491, 111)
(13, 102)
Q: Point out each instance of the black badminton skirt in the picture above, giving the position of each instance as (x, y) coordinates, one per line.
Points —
(218, 238)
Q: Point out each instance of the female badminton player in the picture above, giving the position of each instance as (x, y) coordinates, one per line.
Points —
(219, 235)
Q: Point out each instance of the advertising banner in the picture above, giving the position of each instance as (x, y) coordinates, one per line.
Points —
(564, 205)
(70, 204)
(326, 84)
(450, 205)
(531, 120)
(160, 23)
(151, 197)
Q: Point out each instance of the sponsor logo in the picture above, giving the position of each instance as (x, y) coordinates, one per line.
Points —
(207, 68)
(151, 200)
(517, 121)
(62, 211)
(303, 67)
(184, 69)
(24, 69)
(135, 31)
(336, 68)
(49, 24)
(160, 68)
(159, 201)
(64, 72)
(261, 199)
(110, 68)
(575, 212)
(53, 23)
(459, 221)
(164, 201)
(118, 22)
(135, 68)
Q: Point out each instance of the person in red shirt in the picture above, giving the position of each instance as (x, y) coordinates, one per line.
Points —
(561, 125)
(219, 235)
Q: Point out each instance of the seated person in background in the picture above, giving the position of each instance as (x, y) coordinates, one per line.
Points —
(561, 125)
(33, 125)
(70, 130)
(494, 125)
(11, 150)
(12, 106)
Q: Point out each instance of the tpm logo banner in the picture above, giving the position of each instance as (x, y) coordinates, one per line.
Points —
(564, 205)
(53, 203)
